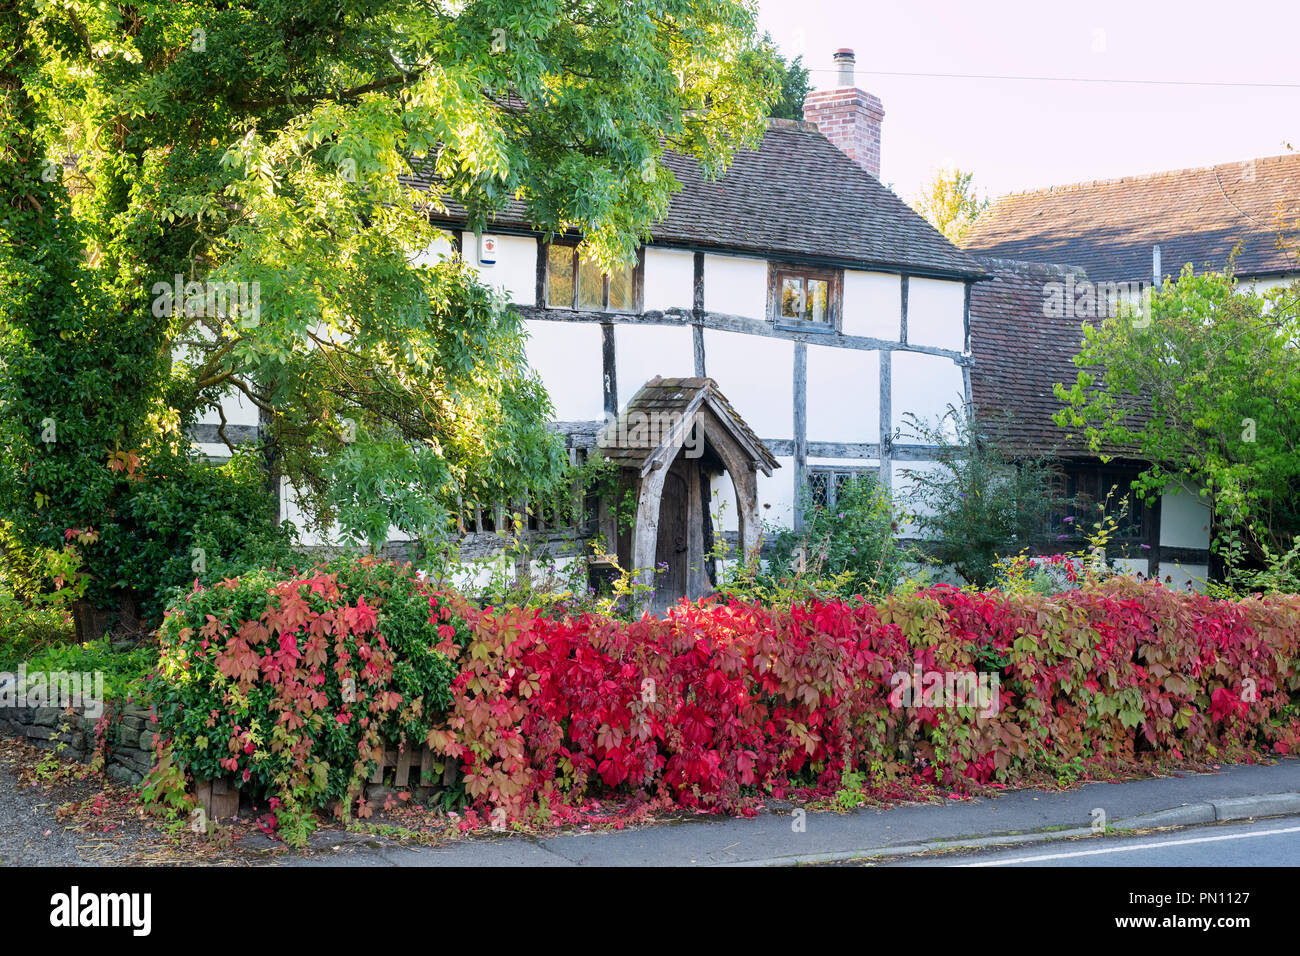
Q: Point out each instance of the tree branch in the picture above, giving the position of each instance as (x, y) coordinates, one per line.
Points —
(221, 429)
(338, 97)
(251, 397)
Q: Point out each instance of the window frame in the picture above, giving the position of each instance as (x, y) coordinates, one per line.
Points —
(1141, 528)
(834, 279)
(833, 473)
(638, 282)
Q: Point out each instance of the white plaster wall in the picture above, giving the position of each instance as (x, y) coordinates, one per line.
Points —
(924, 575)
(776, 495)
(843, 394)
(1132, 566)
(1264, 285)
(777, 492)
(735, 286)
(722, 504)
(290, 511)
(775, 498)
(474, 575)
(439, 248)
(924, 385)
(643, 351)
(1184, 520)
(238, 408)
(844, 462)
(563, 568)
(904, 488)
(869, 466)
(873, 305)
(757, 376)
(213, 450)
(935, 313)
(1184, 577)
(568, 357)
(669, 281)
(515, 269)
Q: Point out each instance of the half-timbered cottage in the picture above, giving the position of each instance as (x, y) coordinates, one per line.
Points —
(797, 286)
(784, 321)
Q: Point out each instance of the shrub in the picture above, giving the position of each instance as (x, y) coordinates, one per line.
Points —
(1044, 574)
(980, 502)
(124, 671)
(719, 701)
(191, 520)
(26, 630)
(1272, 573)
(697, 705)
(33, 618)
(175, 519)
(845, 553)
(81, 373)
(290, 684)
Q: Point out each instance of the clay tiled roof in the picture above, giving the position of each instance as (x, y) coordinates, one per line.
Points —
(1194, 215)
(643, 433)
(796, 195)
(1019, 353)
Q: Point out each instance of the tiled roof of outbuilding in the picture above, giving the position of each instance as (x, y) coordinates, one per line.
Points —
(1019, 353)
(1195, 215)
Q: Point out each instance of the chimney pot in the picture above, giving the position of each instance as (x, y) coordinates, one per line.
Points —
(844, 63)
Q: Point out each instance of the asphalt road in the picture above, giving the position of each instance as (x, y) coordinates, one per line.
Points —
(1274, 842)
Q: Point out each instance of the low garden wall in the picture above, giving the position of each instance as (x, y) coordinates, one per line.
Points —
(125, 734)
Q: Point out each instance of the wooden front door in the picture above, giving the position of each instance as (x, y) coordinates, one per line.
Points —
(672, 552)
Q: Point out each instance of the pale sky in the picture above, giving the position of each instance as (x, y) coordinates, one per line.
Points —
(1016, 135)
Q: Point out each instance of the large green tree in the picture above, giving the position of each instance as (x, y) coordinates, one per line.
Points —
(950, 203)
(1203, 382)
(275, 151)
(796, 84)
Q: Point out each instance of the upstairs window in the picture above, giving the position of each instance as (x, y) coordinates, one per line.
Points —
(804, 298)
(573, 282)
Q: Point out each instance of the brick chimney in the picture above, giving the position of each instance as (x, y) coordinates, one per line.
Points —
(847, 116)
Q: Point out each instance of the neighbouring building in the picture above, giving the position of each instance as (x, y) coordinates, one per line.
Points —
(1056, 258)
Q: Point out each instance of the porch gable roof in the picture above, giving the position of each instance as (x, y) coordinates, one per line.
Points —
(652, 426)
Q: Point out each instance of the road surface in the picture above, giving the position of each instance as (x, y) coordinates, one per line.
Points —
(1273, 842)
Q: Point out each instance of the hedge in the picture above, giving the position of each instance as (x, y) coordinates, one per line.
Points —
(716, 702)
(289, 685)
